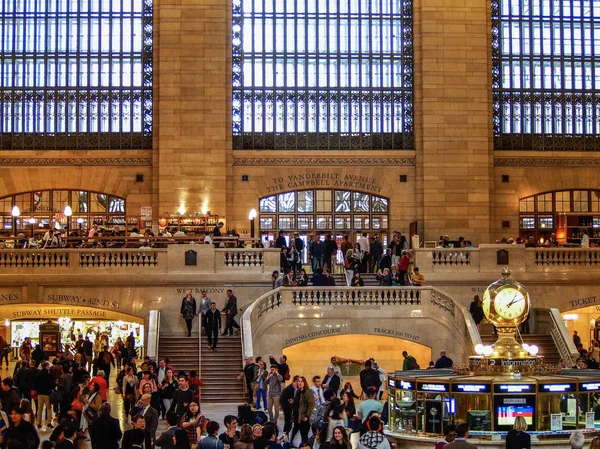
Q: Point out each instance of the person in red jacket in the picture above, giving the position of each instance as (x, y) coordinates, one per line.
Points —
(195, 384)
(403, 267)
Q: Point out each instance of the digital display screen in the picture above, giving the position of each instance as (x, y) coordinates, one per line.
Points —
(556, 388)
(470, 388)
(450, 406)
(506, 414)
(514, 388)
(432, 387)
(595, 386)
(405, 385)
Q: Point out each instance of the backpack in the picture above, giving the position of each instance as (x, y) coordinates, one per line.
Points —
(317, 417)
(412, 363)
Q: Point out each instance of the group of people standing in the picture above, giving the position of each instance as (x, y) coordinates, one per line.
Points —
(211, 322)
(326, 408)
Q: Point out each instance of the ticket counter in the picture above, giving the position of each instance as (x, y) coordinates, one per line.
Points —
(423, 402)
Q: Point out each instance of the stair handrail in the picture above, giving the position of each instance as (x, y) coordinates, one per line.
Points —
(153, 333)
(246, 322)
(472, 330)
(560, 335)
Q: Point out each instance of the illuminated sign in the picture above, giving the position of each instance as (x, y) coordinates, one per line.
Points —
(556, 388)
(426, 386)
(470, 388)
(405, 385)
(513, 388)
(595, 386)
(391, 383)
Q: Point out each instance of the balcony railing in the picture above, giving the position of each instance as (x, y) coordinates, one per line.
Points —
(174, 258)
(422, 301)
(487, 259)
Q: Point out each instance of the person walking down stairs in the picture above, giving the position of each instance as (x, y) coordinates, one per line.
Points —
(230, 311)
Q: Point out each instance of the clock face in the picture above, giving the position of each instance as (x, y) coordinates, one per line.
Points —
(510, 303)
(486, 303)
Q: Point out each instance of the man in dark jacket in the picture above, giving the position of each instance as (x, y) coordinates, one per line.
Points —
(376, 252)
(319, 279)
(286, 401)
(212, 324)
(230, 311)
(182, 396)
(330, 250)
(331, 381)
(165, 440)
(25, 379)
(105, 431)
(280, 241)
(444, 361)
(369, 377)
(249, 372)
(8, 395)
(150, 415)
(282, 367)
(44, 384)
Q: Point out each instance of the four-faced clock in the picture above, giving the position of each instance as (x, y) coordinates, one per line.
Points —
(510, 303)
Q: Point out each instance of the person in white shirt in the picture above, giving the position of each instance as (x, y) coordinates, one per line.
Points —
(317, 391)
(363, 241)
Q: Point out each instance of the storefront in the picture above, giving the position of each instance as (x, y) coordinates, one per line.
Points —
(586, 321)
(24, 321)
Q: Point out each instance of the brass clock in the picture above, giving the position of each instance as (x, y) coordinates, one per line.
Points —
(506, 302)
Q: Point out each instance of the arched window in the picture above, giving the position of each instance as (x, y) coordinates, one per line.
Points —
(313, 74)
(75, 74)
(545, 75)
(43, 209)
(307, 211)
(567, 213)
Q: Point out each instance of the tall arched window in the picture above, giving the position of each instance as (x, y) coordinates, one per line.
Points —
(546, 74)
(333, 74)
(75, 74)
(44, 209)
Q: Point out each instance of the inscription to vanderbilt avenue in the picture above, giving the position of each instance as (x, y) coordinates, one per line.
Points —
(324, 179)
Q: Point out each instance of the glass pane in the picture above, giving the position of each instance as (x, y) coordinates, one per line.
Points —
(5, 205)
(527, 223)
(23, 201)
(380, 204)
(266, 222)
(323, 200)
(342, 201)
(380, 222)
(41, 201)
(544, 203)
(546, 223)
(60, 199)
(358, 222)
(287, 202)
(563, 201)
(580, 201)
(323, 222)
(360, 202)
(595, 201)
(526, 205)
(286, 222)
(305, 222)
(80, 201)
(305, 201)
(116, 205)
(268, 204)
(98, 202)
(342, 222)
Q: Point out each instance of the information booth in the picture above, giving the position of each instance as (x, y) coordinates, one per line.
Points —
(423, 402)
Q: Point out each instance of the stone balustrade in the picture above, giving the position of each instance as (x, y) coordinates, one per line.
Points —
(334, 310)
(490, 258)
(173, 259)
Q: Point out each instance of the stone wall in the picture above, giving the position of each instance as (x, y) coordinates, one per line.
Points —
(453, 186)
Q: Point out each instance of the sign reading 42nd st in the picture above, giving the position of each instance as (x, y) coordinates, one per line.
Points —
(83, 301)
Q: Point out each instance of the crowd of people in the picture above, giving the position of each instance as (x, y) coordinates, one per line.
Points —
(393, 266)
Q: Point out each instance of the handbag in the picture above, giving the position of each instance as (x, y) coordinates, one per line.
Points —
(55, 397)
(255, 387)
(77, 405)
(118, 389)
(90, 414)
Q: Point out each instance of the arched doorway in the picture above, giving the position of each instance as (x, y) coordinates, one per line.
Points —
(323, 211)
(387, 352)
